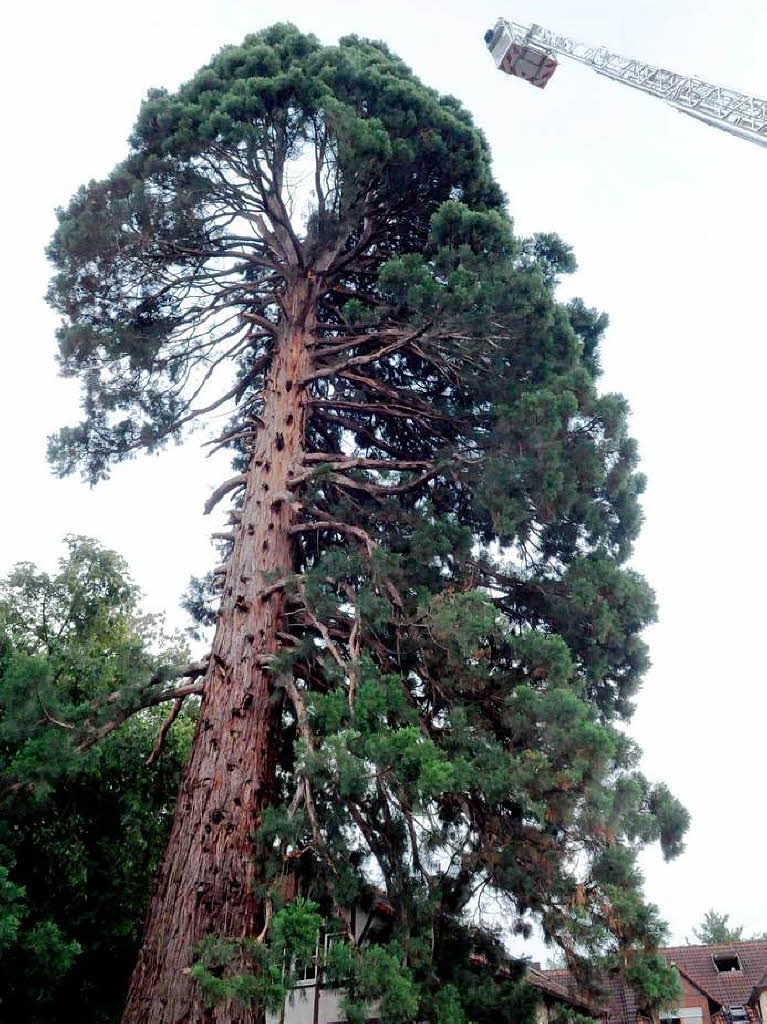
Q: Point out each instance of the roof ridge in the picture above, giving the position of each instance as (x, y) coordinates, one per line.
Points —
(715, 945)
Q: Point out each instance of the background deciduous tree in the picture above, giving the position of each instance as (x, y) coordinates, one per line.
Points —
(428, 639)
(715, 929)
(80, 834)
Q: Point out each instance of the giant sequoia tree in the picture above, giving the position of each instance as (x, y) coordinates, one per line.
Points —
(427, 639)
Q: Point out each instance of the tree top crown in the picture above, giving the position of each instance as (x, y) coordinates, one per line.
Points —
(385, 137)
(280, 158)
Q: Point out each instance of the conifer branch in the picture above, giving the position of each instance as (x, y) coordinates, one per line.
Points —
(298, 796)
(359, 430)
(322, 629)
(331, 346)
(48, 716)
(272, 588)
(399, 342)
(228, 437)
(379, 491)
(146, 698)
(261, 937)
(262, 322)
(354, 646)
(355, 462)
(370, 357)
(222, 490)
(405, 400)
(124, 715)
(304, 729)
(397, 411)
(376, 847)
(226, 252)
(338, 527)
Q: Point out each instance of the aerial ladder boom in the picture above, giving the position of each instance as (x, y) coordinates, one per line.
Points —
(530, 52)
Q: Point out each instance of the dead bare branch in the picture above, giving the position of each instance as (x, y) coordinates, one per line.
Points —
(173, 714)
(221, 491)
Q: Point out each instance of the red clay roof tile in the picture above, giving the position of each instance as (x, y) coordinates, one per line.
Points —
(731, 988)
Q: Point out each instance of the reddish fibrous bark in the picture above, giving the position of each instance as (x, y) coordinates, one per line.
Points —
(208, 881)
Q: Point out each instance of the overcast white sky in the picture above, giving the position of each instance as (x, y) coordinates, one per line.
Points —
(668, 220)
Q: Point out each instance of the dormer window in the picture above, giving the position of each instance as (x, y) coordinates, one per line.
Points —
(725, 963)
(738, 1014)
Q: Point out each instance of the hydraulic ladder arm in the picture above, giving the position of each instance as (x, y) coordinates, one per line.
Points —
(530, 52)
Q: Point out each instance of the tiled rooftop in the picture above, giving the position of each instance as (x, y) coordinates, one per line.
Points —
(545, 982)
(729, 988)
(617, 999)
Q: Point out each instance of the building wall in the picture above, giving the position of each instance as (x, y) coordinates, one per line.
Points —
(692, 1008)
(307, 1004)
(763, 1005)
(299, 1008)
(300, 1005)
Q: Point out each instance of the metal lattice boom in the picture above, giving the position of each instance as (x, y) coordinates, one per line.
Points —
(529, 52)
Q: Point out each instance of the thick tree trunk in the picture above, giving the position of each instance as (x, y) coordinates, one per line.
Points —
(205, 884)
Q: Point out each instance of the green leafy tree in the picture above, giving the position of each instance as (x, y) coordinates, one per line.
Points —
(715, 929)
(427, 641)
(80, 833)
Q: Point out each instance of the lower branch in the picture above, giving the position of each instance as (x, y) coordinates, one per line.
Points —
(123, 716)
(220, 492)
(147, 701)
(306, 735)
(173, 714)
(338, 527)
(261, 937)
(350, 462)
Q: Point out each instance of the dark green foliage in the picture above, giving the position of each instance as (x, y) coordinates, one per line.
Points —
(566, 1015)
(656, 979)
(464, 634)
(80, 834)
(245, 971)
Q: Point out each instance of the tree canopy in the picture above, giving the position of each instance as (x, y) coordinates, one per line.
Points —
(453, 638)
(80, 834)
(715, 930)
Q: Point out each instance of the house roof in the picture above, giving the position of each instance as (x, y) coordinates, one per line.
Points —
(549, 986)
(560, 991)
(696, 964)
(616, 1002)
(696, 983)
(730, 988)
(760, 986)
